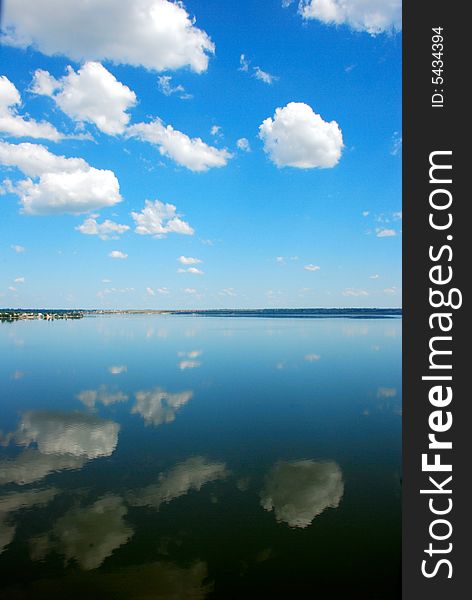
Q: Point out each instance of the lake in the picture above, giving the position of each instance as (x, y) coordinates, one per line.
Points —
(167, 456)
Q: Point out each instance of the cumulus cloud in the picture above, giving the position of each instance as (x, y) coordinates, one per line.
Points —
(243, 144)
(158, 406)
(158, 219)
(372, 16)
(298, 491)
(155, 34)
(17, 248)
(191, 474)
(31, 465)
(107, 230)
(14, 125)
(192, 153)
(56, 184)
(117, 254)
(312, 268)
(90, 95)
(76, 434)
(298, 137)
(88, 534)
(189, 260)
(103, 395)
(380, 233)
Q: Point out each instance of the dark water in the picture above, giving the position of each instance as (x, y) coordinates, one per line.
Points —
(180, 457)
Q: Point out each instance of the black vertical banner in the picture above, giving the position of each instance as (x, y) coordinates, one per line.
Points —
(437, 423)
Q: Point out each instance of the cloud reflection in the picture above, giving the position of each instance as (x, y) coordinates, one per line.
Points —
(298, 491)
(191, 474)
(87, 534)
(102, 395)
(158, 406)
(31, 465)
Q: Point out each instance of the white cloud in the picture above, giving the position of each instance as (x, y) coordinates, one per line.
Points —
(243, 144)
(372, 16)
(192, 153)
(397, 142)
(164, 83)
(355, 293)
(385, 233)
(14, 125)
(189, 260)
(150, 291)
(189, 364)
(75, 434)
(390, 291)
(312, 268)
(158, 219)
(298, 491)
(117, 254)
(397, 216)
(191, 474)
(190, 291)
(385, 392)
(243, 63)
(374, 276)
(88, 534)
(191, 270)
(107, 230)
(216, 131)
(19, 280)
(264, 76)
(155, 34)
(365, 213)
(228, 292)
(91, 95)
(17, 248)
(117, 369)
(312, 357)
(298, 137)
(158, 406)
(57, 184)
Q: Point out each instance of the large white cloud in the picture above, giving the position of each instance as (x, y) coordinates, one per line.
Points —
(14, 125)
(155, 34)
(298, 137)
(158, 219)
(76, 434)
(91, 95)
(57, 184)
(298, 491)
(88, 534)
(192, 153)
(373, 16)
(107, 230)
(191, 474)
(158, 406)
(31, 465)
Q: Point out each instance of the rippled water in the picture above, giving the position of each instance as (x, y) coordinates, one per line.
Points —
(189, 457)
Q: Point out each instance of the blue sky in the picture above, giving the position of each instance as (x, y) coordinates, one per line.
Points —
(299, 207)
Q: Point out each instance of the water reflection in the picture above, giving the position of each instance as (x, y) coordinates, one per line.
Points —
(77, 434)
(191, 474)
(298, 491)
(103, 396)
(158, 406)
(86, 535)
(31, 465)
(15, 501)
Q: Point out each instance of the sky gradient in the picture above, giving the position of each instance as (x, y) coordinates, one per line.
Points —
(211, 155)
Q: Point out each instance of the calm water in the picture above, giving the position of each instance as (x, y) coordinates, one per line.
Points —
(200, 457)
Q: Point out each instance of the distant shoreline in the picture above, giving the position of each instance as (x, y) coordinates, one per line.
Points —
(9, 315)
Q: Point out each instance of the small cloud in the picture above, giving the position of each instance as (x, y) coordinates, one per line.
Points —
(243, 144)
(312, 357)
(188, 260)
(374, 276)
(354, 293)
(191, 270)
(227, 292)
(150, 291)
(365, 213)
(390, 291)
(106, 280)
(311, 268)
(108, 230)
(381, 233)
(117, 254)
(19, 280)
(163, 291)
(164, 83)
(397, 216)
(17, 248)
(349, 68)
(189, 364)
(12, 289)
(385, 392)
(216, 131)
(190, 291)
(264, 76)
(243, 63)
(117, 369)
(396, 144)
(280, 260)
